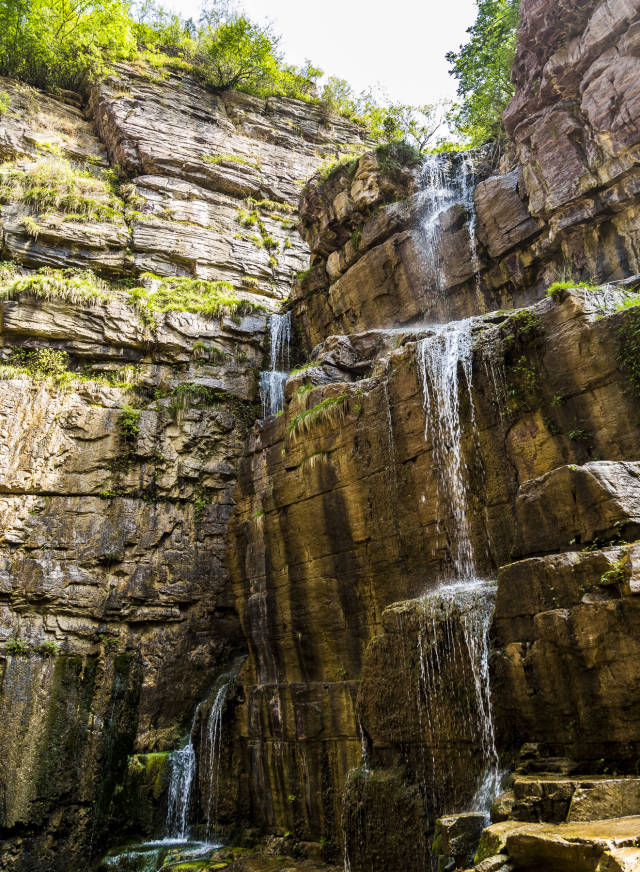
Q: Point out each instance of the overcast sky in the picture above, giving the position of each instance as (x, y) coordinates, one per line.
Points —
(399, 44)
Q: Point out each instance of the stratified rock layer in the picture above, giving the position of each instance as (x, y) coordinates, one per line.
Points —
(118, 462)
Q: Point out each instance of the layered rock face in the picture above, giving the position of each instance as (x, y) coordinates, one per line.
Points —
(566, 208)
(410, 456)
(122, 427)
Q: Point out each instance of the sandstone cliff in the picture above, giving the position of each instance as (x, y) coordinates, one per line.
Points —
(306, 603)
(123, 421)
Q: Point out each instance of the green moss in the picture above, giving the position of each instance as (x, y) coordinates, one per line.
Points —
(129, 424)
(628, 355)
(227, 158)
(616, 575)
(5, 102)
(301, 368)
(557, 288)
(332, 409)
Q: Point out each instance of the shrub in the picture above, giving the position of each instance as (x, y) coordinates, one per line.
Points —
(62, 44)
(129, 423)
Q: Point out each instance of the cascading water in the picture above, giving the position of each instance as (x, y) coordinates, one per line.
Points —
(440, 357)
(446, 181)
(272, 380)
(183, 770)
(213, 743)
(458, 613)
(453, 644)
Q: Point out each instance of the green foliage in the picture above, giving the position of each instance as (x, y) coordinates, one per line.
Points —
(224, 157)
(52, 183)
(129, 424)
(628, 356)
(5, 102)
(332, 409)
(40, 362)
(556, 289)
(17, 646)
(64, 43)
(176, 293)
(49, 649)
(615, 575)
(49, 284)
(482, 67)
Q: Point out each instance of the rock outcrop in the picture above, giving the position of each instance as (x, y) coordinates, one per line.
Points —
(122, 425)
(306, 604)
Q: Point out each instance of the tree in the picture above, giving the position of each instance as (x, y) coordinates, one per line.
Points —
(483, 69)
(240, 54)
(59, 43)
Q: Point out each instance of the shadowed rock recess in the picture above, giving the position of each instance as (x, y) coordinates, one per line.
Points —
(396, 625)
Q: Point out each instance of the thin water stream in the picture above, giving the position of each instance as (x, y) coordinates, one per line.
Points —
(272, 380)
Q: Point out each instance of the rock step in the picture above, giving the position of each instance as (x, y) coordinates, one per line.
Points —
(560, 799)
(596, 846)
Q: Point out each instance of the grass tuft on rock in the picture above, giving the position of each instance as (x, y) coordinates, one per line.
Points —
(176, 293)
(53, 184)
(333, 410)
(56, 284)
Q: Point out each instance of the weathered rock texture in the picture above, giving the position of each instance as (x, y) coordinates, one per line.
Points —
(568, 209)
(341, 525)
(117, 471)
(158, 546)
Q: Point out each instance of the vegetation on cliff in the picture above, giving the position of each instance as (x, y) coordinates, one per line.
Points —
(482, 67)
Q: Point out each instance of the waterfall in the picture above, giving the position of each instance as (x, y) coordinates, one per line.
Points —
(183, 770)
(454, 659)
(457, 615)
(445, 182)
(440, 357)
(272, 380)
(214, 742)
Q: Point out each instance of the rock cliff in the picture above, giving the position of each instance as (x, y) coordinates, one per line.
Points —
(356, 624)
(123, 421)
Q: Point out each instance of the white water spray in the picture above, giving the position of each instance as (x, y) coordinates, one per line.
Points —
(272, 380)
(440, 358)
(183, 770)
(214, 743)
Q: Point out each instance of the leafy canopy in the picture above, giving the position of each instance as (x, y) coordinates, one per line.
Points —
(483, 69)
(59, 43)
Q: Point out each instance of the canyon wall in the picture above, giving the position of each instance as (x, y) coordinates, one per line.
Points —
(123, 425)
(354, 502)
(335, 564)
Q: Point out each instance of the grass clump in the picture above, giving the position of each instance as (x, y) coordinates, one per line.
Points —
(129, 424)
(53, 184)
(557, 288)
(55, 284)
(225, 157)
(333, 409)
(17, 646)
(5, 102)
(180, 294)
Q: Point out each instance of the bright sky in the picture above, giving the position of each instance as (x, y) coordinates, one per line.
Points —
(399, 44)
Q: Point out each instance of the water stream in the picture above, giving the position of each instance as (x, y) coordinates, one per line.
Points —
(440, 358)
(272, 380)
